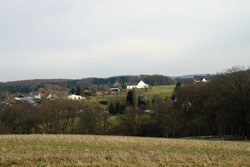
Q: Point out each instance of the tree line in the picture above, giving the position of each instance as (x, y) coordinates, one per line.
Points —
(28, 86)
(219, 107)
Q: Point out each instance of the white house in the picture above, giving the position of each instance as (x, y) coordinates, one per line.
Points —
(75, 97)
(131, 86)
(52, 96)
(140, 85)
(37, 96)
(204, 80)
(25, 99)
(200, 80)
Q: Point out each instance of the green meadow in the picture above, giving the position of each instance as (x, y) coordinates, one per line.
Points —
(156, 91)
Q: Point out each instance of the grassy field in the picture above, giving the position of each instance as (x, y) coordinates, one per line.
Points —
(155, 91)
(158, 91)
(84, 150)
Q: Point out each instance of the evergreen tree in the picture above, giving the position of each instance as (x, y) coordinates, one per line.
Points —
(135, 98)
(123, 86)
(173, 97)
(117, 107)
(129, 98)
(72, 91)
(141, 101)
(111, 109)
(121, 108)
(78, 90)
(177, 86)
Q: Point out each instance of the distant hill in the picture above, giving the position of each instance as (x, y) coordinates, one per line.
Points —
(36, 82)
(188, 76)
(26, 86)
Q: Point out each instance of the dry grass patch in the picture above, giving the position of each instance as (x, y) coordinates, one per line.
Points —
(85, 150)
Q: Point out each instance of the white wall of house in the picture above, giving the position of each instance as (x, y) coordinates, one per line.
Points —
(204, 80)
(25, 99)
(52, 97)
(131, 86)
(140, 85)
(38, 96)
(75, 97)
(199, 81)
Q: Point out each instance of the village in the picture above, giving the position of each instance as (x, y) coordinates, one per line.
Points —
(124, 83)
(55, 92)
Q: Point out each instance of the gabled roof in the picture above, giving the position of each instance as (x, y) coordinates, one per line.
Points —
(141, 82)
(52, 96)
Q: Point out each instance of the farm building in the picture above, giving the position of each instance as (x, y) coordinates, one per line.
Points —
(140, 85)
(131, 86)
(114, 89)
(200, 79)
(25, 99)
(52, 96)
(75, 97)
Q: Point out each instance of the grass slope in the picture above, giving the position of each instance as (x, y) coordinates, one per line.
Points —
(159, 91)
(85, 150)
(155, 91)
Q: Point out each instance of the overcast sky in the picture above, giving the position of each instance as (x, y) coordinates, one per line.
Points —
(101, 38)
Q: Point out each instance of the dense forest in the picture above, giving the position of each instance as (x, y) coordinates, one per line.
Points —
(28, 86)
(219, 107)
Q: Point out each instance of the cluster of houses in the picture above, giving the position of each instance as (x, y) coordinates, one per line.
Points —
(63, 93)
(53, 94)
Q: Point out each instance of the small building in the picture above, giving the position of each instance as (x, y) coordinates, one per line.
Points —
(114, 89)
(100, 91)
(204, 80)
(75, 97)
(131, 86)
(57, 94)
(200, 80)
(38, 96)
(25, 99)
(52, 96)
(140, 85)
(88, 91)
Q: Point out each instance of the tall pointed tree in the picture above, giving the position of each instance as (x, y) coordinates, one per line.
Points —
(129, 98)
(78, 90)
(135, 98)
(111, 109)
(72, 91)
